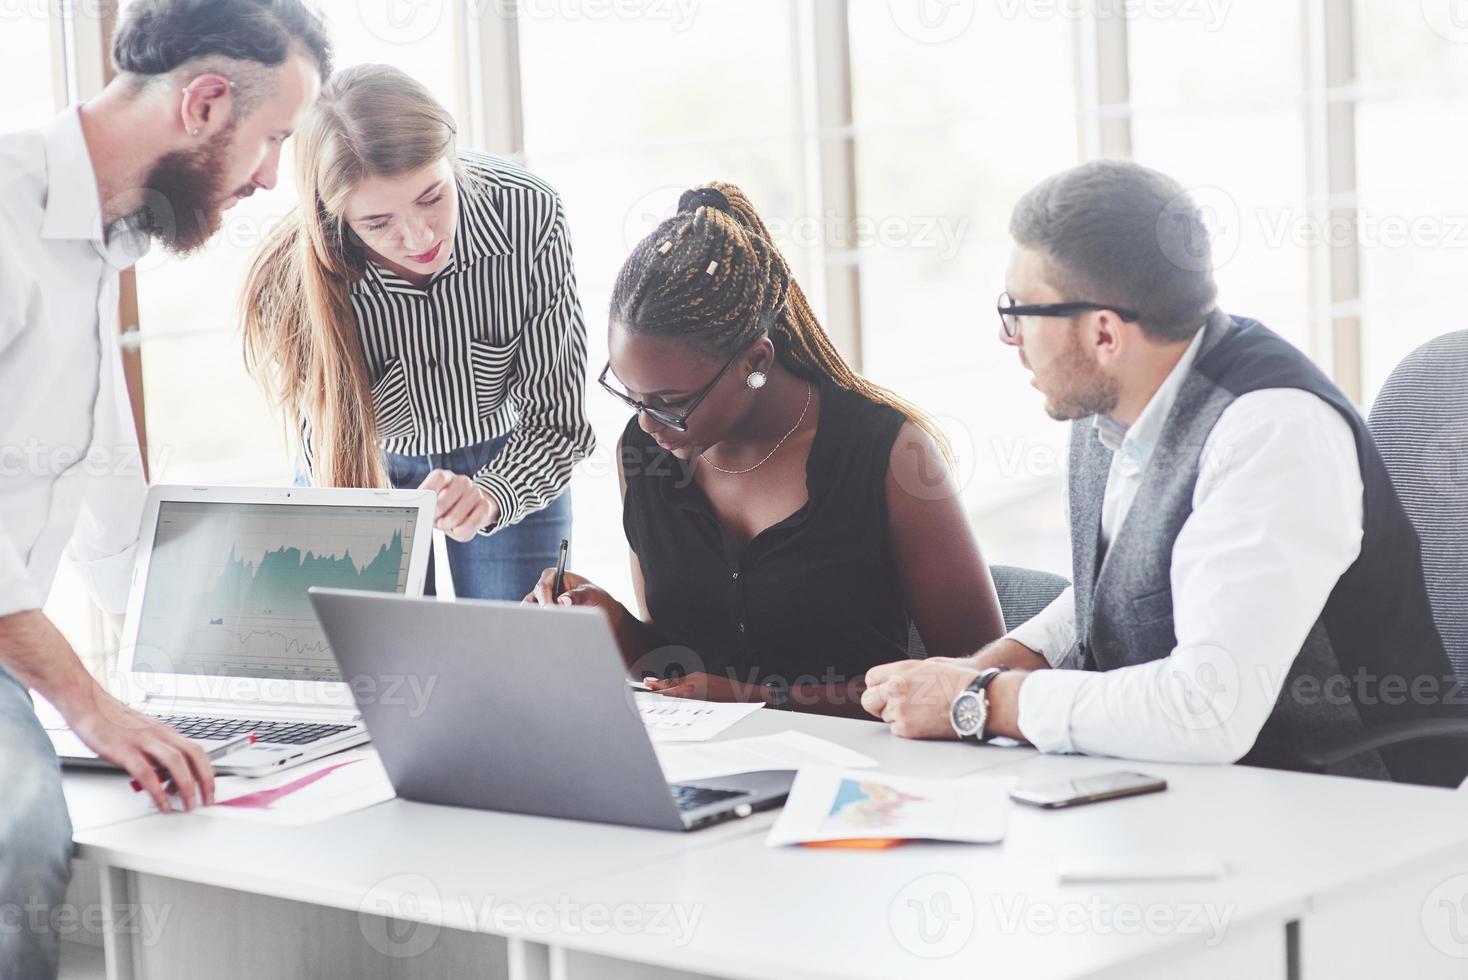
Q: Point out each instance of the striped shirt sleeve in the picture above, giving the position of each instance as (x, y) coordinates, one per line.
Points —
(546, 387)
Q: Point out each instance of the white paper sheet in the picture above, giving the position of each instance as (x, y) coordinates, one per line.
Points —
(683, 761)
(329, 787)
(685, 720)
(828, 803)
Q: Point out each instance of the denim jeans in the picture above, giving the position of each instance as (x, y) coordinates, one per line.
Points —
(35, 838)
(503, 565)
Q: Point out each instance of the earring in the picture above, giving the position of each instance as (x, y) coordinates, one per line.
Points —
(193, 132)
(756, 380)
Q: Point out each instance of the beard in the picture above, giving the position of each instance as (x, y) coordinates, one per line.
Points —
(1078, 389)
(182, 195)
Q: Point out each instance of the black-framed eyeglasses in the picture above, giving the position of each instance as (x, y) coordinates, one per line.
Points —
(1009, 312)
(673, 420)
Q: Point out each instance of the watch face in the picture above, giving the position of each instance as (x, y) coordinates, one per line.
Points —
(969, 713)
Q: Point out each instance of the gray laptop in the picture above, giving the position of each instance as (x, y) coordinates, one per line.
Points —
(503, 706)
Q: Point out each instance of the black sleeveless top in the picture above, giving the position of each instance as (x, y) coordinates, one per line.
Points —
(815, 598)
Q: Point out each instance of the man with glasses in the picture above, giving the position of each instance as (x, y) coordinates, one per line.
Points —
(206, 93)
(1246, 586)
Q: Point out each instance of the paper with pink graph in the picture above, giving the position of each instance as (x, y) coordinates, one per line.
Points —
(828, 804)
(329, 787)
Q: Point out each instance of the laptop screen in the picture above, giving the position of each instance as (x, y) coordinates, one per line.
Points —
(226, 586)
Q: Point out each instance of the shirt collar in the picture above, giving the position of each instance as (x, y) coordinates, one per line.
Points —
(1139, 439)
(73, 208)
(73, 204)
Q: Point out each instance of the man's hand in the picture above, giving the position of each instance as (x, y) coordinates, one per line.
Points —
(463, 508)
(142, 745)
(914, 697)
(707, 687)
(33, 650)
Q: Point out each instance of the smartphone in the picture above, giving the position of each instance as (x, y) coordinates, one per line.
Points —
(1087, 789)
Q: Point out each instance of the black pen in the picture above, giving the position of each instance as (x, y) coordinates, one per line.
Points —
(561, 569)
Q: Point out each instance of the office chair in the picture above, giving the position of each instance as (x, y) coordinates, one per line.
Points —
(1420, 424)
(1023, 593)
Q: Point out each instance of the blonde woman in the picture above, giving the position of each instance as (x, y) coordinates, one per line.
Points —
(417, 318)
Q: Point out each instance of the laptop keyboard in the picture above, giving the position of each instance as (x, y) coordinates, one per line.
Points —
(277, 732)
(693, 797)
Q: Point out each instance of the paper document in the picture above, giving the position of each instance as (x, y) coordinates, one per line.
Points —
(783, 750)
(319, 790)
(827, 804)
(681, 720)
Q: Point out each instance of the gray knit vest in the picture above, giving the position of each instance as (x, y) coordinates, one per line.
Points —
(1376, 623)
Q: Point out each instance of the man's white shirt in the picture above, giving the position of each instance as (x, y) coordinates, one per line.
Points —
(71, 475)
(1277, 519)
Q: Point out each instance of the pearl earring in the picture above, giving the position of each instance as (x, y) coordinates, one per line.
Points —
(756, 380)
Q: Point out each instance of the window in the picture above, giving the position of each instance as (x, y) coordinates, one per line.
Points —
(1221, 107)
(946, 141)
(673, 104)
(31, 77)
(1411, 139)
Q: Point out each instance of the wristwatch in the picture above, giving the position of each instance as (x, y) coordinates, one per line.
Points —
(970, 711)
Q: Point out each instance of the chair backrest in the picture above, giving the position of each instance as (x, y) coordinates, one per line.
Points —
(1420, 424)
(1023, 593)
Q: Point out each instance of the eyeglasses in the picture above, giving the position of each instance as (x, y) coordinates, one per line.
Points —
(673, 420)
(1009, 313)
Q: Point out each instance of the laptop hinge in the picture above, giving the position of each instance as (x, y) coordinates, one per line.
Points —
(268, 709)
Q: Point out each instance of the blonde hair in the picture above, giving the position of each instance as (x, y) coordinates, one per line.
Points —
(300, 333)
(711, 275)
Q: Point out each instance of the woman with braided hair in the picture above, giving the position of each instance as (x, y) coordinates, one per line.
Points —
(788, 518)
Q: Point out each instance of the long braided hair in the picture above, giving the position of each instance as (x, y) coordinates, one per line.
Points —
(710, 275)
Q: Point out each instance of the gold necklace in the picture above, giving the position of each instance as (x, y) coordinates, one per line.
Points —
(809, 391)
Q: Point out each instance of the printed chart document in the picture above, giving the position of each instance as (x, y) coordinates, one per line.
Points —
(830, 804)
(684, 720)
(783, 750)
(329, 787)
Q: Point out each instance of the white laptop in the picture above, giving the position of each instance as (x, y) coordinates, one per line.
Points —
(220, 638)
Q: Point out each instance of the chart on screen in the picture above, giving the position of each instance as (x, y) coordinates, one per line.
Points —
(227, 583)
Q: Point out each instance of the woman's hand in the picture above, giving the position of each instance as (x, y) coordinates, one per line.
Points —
(463, 508)
(706, 687)
(577, 591)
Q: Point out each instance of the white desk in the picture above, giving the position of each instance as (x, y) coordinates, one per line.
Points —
(1333, 876)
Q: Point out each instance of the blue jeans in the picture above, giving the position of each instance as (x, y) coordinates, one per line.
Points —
(35, 838)
(503, 565)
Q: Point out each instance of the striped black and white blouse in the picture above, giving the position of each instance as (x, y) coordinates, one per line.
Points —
(494, 344)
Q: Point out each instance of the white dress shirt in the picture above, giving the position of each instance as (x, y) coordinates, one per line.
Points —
(1277, 519)
(71, 476)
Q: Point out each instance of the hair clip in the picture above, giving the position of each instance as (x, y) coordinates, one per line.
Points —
(713, 267)
(665, 247)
